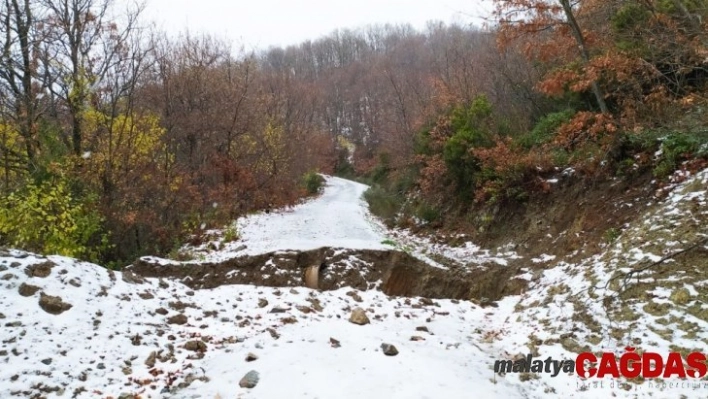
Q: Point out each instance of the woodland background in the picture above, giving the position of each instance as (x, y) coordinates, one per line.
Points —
(118, 141)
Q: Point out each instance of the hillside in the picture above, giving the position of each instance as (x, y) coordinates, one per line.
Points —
(75, 329)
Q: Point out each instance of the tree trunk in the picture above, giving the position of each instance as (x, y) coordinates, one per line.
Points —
(578, 35)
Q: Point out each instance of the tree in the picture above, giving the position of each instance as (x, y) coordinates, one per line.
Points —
(549, 22)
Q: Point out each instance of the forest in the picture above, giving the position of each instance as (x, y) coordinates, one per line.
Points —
(118, 140)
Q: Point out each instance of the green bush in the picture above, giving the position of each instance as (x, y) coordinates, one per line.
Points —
(427, 213)
(46, 218)
(383, 203)
(312, 182)
(545, 129)
(677, 147)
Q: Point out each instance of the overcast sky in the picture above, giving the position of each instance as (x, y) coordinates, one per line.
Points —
(258, 24)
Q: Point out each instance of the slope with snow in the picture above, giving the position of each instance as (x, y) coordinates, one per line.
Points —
(124, 335)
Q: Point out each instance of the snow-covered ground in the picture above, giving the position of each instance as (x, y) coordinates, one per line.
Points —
(126, 336)
(337, 218)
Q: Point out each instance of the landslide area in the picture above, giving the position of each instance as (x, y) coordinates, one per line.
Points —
(395, 273)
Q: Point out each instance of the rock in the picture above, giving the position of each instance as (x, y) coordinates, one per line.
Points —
(359, 317)
(426, 302)
(179, 319)
(334, 343)
(53, 304)
(150, 361)
(189, 293)
(417, 338)
(251, 357)
(162, 311)
(146, 295)
(250, 380)
(75, 282)
(389, 350)
(127, 370)
(262, 303)
(163, 284)
(304, 309)
(41, 270)
(196, 346)
(8, 277)
(131, 278)
(279, 309)
(14, 324)
(27, 289)
(423, 329)
(3, 353)
(47, 361)
(355, 296)
(2, 316)
(101, 366)
(294, 291)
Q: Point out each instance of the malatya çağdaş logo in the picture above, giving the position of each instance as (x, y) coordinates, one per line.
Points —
(628, 365)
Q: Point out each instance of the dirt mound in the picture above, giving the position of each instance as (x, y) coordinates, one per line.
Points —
(393, 272)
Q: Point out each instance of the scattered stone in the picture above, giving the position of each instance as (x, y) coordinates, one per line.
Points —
(75, 282)
(3, 353)
(359, 317)
(417, 338)
(251, 357)
(162, 311)
(426, 302)
(27, 289)
(8, 277)
(146, 295)
(53, 304)
(189, 293)
(179, 305)
(131, 278)
(136, 340)
(41, 270)
(389, 350)
(150, 361)
(316, 305)
(422, 329)
(179, 319)
(334, 343)
(196, 346)
(2, 316)
(273, 333)
(15, 265)
(163, 284)
(262, 303)
(289, 320)
(47, 361)
(279, 309)
(14, 324)
(250, 380)
(127, 370)
(304, 309)
(101, 366)
(294, 291)
(355, 296)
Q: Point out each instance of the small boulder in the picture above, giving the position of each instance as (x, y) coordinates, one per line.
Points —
(178, 319)
(196, 346)
(250, 380)
(251, 357)
(131, 278)
(389, 350)
(359, 317)
(41, 270)
(27, 289)
(53, 304)
(262, 303)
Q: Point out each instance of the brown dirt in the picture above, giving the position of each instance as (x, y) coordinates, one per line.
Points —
(575, 216)
(399, 273)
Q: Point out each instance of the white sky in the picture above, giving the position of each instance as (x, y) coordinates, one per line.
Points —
(262, 23)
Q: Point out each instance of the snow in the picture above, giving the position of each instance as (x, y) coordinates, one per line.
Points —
(98, 348)
(339, 218)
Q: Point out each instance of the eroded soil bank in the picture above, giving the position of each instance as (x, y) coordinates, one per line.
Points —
(395, 273)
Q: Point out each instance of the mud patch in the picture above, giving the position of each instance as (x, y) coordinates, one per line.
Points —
(393, 272)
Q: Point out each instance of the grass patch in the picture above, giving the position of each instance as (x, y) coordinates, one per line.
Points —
(312, 182)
